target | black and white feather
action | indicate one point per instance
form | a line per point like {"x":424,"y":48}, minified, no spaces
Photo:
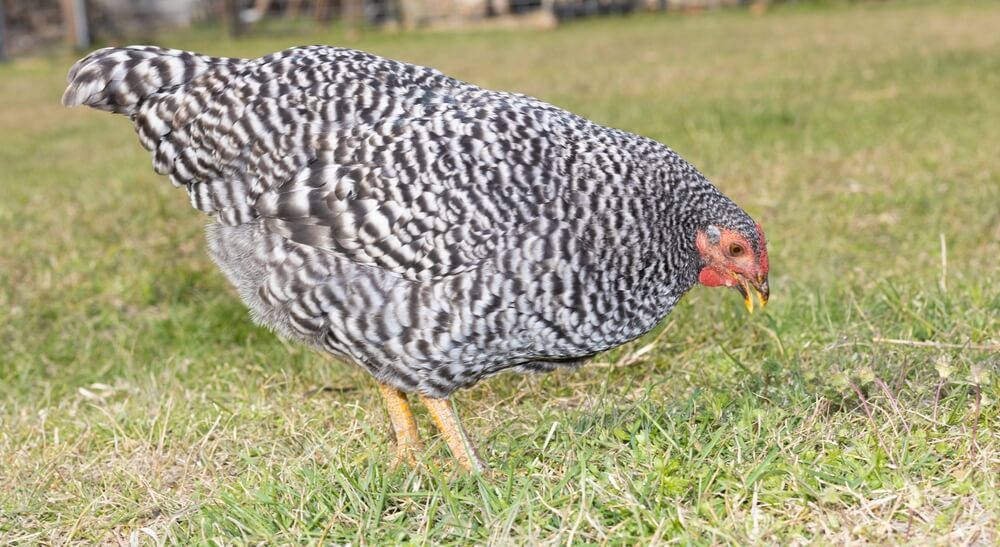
{"x":432,"y":231}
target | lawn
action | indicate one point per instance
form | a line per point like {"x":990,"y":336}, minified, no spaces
{"x":139,"y":403}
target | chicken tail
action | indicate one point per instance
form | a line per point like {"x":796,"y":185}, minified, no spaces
{"x":120,"y":79}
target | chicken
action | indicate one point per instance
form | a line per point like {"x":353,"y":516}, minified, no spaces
{"x":430,"y":231}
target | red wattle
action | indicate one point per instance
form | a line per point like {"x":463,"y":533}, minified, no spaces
{"x":710,"y":278}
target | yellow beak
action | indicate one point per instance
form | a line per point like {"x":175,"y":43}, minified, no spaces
{"x":758,"y":285}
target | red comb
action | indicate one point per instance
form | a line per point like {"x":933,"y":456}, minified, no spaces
{"x":763,"y":250}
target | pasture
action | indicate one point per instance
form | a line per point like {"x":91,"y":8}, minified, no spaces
{"x":138,"y":403}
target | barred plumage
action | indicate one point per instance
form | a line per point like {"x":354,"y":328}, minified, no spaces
{"x":431,"y":231}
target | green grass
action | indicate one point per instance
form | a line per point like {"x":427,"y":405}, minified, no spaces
{"x":138,"y":402}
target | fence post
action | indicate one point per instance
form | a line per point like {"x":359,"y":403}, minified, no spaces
{"x":231,"y":18}
{"x":3,"y":34}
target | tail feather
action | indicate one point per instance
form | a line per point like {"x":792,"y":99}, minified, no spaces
{"x":119,"y":79}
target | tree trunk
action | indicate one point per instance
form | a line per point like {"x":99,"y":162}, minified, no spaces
{"x":75,"y":23}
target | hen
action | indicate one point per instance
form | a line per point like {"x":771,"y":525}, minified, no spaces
{"x":433,"y":232}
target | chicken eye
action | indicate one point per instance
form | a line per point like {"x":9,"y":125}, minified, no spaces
{"x":735,"y":249}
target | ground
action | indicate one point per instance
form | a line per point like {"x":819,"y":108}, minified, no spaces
{"x":139,"y":403}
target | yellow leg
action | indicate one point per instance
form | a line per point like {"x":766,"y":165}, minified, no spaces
{"x":446,"y":420}
{"x":407,"y":438}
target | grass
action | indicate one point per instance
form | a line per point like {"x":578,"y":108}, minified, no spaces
{"x":138,"y":402}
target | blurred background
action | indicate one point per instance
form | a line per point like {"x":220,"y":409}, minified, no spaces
{"x":28,"y":26}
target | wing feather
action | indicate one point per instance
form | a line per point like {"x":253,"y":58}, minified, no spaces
{"x":383,"y":162}
{"x":421,"y":197}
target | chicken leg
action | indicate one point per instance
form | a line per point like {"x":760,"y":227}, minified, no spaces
{"x":407,"y":437}
{"x":447,"y":422}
